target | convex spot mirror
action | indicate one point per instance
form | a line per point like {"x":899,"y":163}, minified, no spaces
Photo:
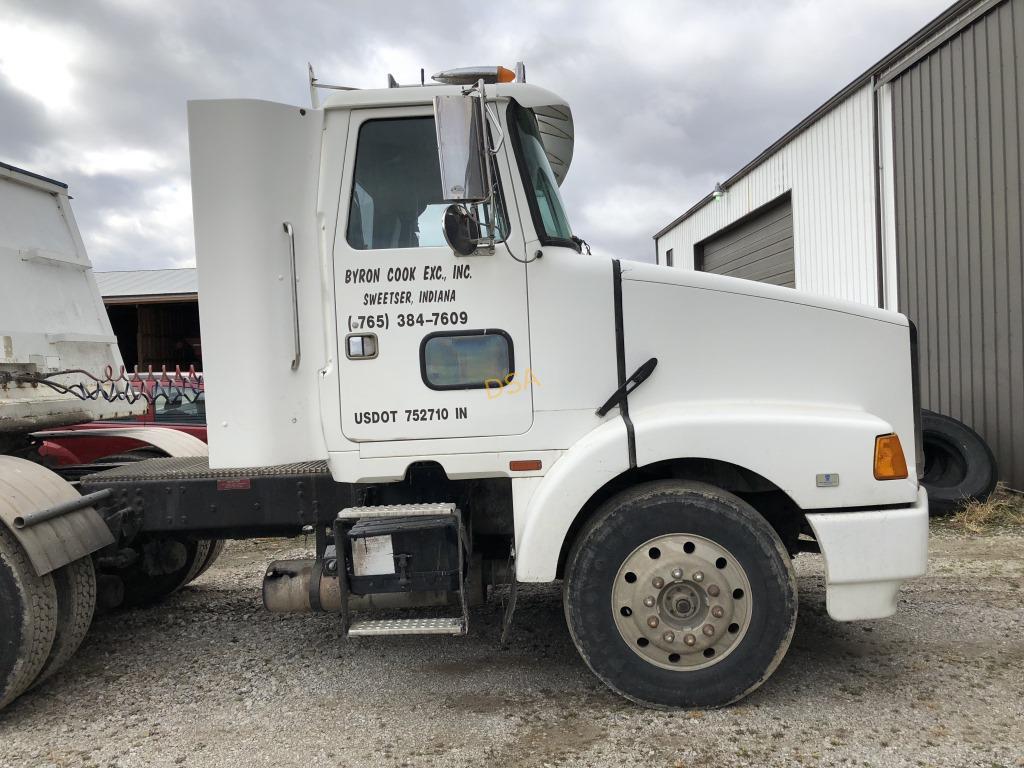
{"x":461,"y":231}
{"x":462,"y":148}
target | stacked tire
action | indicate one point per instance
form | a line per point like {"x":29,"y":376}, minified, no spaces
{"x":959,"y":467}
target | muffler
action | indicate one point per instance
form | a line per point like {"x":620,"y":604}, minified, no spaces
{"x":300,"y":586}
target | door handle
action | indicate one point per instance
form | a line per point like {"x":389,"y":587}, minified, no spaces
{"x":290,"y":231}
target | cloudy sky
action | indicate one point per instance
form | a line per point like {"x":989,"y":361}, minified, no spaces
{"x":668,"y":97}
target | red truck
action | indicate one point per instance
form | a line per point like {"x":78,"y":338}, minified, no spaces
{"x":176,"y":401}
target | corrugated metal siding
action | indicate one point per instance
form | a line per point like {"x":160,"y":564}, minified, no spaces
{"x":828,"y":170}
{"x":148,"y":282}
{"x":958,"y":133}
{"x":760,"y":248}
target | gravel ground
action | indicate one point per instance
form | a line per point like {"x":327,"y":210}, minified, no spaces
{"x":210,"y":679}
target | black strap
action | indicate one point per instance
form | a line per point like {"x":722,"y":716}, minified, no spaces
{"x":620,"y":360}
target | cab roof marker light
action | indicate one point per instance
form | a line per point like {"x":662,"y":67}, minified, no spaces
{"x":473,"y":75}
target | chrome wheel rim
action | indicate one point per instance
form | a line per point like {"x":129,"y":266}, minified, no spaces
{"x":681,"y":602}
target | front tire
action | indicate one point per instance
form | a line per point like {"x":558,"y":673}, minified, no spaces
{"x":679,"y":594}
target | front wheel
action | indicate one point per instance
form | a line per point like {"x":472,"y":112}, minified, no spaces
{"x":679,"y":594}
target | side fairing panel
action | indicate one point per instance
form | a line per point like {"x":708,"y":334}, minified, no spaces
{"x":255,"y":166}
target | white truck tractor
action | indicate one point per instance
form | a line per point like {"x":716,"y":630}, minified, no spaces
{"x":454,"y":393}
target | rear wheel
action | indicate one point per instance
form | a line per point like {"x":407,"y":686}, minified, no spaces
{"x":680,"y":595}
{"x":165,"y":565}
{"x":75,"y":586}
{"x":216,"y":547}
{"x":28,"y":619}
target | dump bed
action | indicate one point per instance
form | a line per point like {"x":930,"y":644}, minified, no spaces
{"x":52,"y":317}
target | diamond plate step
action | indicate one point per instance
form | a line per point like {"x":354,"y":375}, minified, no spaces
{"x":397,"y":510}
{"x":374,"y":627}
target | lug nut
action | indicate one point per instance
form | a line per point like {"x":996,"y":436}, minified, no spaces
{"x":669,"y":637}
{"x":649,"y":601}
{"x":717,"y":612}
{"x":713,"y":590}
{"x":652,"y":622}
{"x":677,"y":574}
{"x":709,"y":630}
{"x":657,"y":582}
{"x":698,"y":576}
{"x":690,"y":640}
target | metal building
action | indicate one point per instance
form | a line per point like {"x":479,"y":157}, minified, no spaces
{"x":155,"y":315}
{"x":903,"y":190}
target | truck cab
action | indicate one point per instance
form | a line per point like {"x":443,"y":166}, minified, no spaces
{"x":400,"y":264}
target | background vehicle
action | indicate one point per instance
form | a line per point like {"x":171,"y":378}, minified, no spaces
{"x":57,"y":552}
{"x":464,"y":397}
{"x":173,"y":401}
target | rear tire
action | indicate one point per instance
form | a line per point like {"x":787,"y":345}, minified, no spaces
{"x":708,"y":571}
{"x":75,"y":584}
{"x":216,"y":547}
{"x":28,"y":619}
{"x":145,"y":588}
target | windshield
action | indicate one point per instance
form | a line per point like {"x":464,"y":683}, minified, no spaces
{"x":545,"y":201}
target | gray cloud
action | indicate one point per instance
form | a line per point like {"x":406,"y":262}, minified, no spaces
{"x":668,"y":98}
{"x":24,"y":125}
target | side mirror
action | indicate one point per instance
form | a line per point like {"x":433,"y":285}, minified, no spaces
{"x":461,"y":231}
{"x":462,"y":148}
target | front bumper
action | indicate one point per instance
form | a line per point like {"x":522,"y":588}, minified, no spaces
{"x":868,"y":555}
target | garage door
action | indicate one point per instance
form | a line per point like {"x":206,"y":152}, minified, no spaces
{"x":757,"y":247}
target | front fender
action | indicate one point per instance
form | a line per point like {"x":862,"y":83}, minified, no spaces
{"x":545,"y":507}
{"x":789,"y":445}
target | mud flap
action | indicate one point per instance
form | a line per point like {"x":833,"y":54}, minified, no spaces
{"x":27,"y":488}
{"x":510,"y":606}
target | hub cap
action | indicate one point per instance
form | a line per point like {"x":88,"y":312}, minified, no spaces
{"x":681,"y":602}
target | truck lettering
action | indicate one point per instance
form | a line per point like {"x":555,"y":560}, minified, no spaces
{"x":426,"y":414}
{"x":401,"y":274}
{"x":387,"y":297}
{"x":375,"y":417}
{"x":362,"y":275}
{"x":432,"y":296}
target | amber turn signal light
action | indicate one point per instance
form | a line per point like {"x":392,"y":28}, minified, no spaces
{"x":506,"y":75}
{"x":890,"y":463}
{"x":525,"y":465}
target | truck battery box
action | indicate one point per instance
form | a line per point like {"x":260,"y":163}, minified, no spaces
{"x":409,"y":554}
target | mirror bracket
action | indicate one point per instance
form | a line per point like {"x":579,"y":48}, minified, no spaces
{"x":465,"y":149}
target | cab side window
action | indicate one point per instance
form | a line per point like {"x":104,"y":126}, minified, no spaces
{"x":396,"y":191}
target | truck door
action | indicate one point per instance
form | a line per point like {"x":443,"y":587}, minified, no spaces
{"x":433,"y":345}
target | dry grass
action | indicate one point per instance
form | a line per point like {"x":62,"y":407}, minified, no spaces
{"x":1004,"y":508}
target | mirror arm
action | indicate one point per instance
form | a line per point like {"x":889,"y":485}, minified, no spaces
{"x":491,"y":224}
{"x":496,"y":125}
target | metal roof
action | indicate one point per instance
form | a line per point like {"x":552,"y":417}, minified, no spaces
{"x":13,"y":169}
{"x":148,"y":282}
{"x":953,"y":17}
